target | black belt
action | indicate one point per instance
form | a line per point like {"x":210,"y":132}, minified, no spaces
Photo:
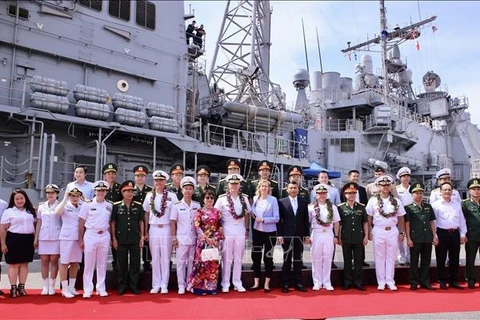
{"x":453,"y":230}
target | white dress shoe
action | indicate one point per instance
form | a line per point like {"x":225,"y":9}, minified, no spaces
{"x":103,"y":294}
{"x":392,"y":287}
{"x":181,"y":290}
{"x":164,"y":291}
{"x":87,"y":295}
{"x":329,"y":288}
{"x":316,"y":288}
{"x":240,"y":289}
{"x":154,"y":290}
{"x":381,"y":287}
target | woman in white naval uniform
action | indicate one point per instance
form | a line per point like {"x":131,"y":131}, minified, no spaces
{"x":95,"y":218}
{"x":157,"y":206}
{"x":384,"y":213}
{"x":183,"y":231}
{"x":324,"y":218}
{"x":46,"y":238}
{"x":70,"y":251}
{"x":235,"y":210}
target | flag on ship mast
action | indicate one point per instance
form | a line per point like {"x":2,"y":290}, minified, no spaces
{"x":417,"y":45}
{"x":434,"y":28}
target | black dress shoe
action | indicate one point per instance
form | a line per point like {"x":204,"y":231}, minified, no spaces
{"x":300,"y":287}
{"x":413,"y":287}
{"x":285,"y":289}
{"x":364,"y":264}
{"x":443,"y":286}
{"x":471,"y":285}
{"x":136,"y":291}
{"x":334,"y":266}
{"x":122,"y":291}
{"x":114,"y":266}
{"x":304,"y":267}
{"x":266,"y":290}
{"x":456,"y":285}
{"x":346,"y":286}
{"x":360,"y":287}
{"x":147,"y":267}
{"x":427,"y":286}
{"x":254,"y":288}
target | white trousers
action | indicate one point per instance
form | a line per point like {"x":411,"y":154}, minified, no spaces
{"x":385,"y":246}
{"x":232,"y":251}
{"x":160,"y":241}
{"x":96,"y":255}
{"x":184,"y":260}
{"x":322,"y":255}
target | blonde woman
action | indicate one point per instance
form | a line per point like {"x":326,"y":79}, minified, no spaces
{"x":265,"y":215}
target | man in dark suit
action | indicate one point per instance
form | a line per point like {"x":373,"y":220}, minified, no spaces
{"x":292,"y":230}
{"x":354,"y":176}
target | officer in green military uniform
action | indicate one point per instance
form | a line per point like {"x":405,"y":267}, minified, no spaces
{"x":203,"y":173}
{"x":421,"y":233}
{"x":113,"y":195}
{"x":233,"y":167}
{"x":295,"y":173}
{"x":264,"y":169}
{"x":353,"y":236}
{"x":110,"y":174}
{"x":141,"y":189}
{"x":471,"y":211}
{"x":176,"y":173}
{"x":127,"y":226}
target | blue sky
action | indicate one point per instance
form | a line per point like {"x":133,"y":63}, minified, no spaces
{"x":453,"y":51}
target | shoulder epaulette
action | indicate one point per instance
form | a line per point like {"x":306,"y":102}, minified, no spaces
{"x":465,"y":200}
{"x":193,"y":201}
{"x":284,"y":188}
{"x":362,"y":204}
{"x":117,"y":203}
{"x":138,"y":202}
{"x":273,"y":181}
{"x":437,"y":189}
{"x":178,"y":202}
{"x":40,"y":203}
{"x":342,"y":204}
{"x":212,"y":186}
{"x":222,"y":195}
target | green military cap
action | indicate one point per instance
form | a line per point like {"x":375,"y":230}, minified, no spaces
{"x":127,"y":185}
{"x":379,"y":169}
{"x":233,"y":163}
{"x":350,"y":187}
{"x":417,"y":186}
{"x":203,"y":169}
{"x":137,"y":170}
{"x":473,"y":183}
{"x":109,"y":167}
{"x":176,"y":168}
{"x":265,"y":164}
{"x":295,"y":170}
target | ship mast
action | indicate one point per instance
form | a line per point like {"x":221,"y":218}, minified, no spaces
{"x":383,"y":37}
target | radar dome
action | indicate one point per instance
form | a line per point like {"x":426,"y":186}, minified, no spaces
{"x":301,"y":79}
{"x":431,"y":81}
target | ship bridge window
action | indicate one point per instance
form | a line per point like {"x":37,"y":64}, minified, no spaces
{"x":146,"y":14}
{"x":22,"y":13}
{"x":92,"y":4}
{"x":119,"y":9}
{"x":347,"y":145}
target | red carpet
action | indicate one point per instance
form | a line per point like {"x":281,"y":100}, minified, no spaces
{"x":250,"y":305}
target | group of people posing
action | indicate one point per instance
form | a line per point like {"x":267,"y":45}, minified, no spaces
{"x":209,"y":226}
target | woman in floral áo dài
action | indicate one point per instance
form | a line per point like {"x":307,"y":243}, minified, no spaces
{"x":208,"y":226}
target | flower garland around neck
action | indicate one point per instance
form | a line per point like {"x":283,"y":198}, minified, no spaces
{"x":232,"y":207}
{"x":394,"y":203}
{"x":163,"y":204}
{"x":316,"y":206}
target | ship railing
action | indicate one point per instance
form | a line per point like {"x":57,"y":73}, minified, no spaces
{"x":15,"y":175}
{"x":243,"y":140}
{"x":338,"y":125}
{"x":404,"y":112}
{"x":13,"y":91}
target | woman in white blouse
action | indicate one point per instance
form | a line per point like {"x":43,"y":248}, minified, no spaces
{"x":266,"y":215}
{"x":17,"y":234}
{"x":70,"y":251}
{"x":46,"y":238}
{"x":324,"y":221}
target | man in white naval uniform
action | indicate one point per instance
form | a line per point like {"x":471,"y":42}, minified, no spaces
{"x":384,"y":213}
{"x":404,"y":175}
{"x":183,"y":231}
{"x":94,"y":238}
{"x":157,"y":206}
{"x":444,"y":175}
{"x":235,"y":209}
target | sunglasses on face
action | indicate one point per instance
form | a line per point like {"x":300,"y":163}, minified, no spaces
{"x":208,"y":198}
